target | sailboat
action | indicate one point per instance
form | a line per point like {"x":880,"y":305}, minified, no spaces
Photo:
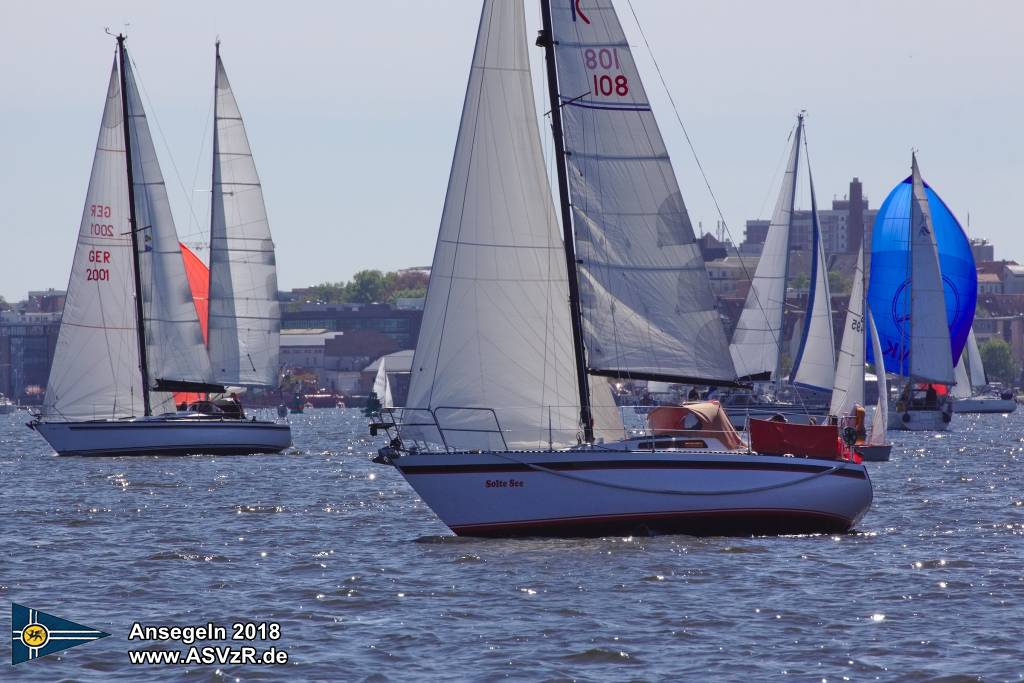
{"x":129,"y":335}
{"x":509,"y":427}
{"x":971,"y":382}
{"x":758,"y":340}
{"x":848,"y":389}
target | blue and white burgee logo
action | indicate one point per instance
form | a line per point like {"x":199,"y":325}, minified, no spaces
{"x":35,"y":634}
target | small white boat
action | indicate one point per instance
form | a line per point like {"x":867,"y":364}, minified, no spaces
{"x":971,"y":382}
{"x":510,"y":427}
{"x":130,"y":336}
{"x":7,"y":406}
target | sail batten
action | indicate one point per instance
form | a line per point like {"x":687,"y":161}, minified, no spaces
{"x":245,"y":316}
{"x":647,"y":306}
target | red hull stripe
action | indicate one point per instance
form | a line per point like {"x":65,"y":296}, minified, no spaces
{"x":745,"y":522}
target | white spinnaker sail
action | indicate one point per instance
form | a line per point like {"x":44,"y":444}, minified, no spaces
{"x":931,"y":359}
{"x":758,"y":334}
{"x":174,"y":340}
{"x":975,"y":367}
{"x":647,"y":303}
{"x":815,"y":364}
{"x":962,"y":388}
{"x":496,"y":331}
{"x":382,"y":387}
{"x":245,"y":316}
{"x":848,"y":389}
{"x":880,"y":421}
{"x":95,"y":372}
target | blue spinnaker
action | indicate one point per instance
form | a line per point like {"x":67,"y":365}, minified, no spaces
{"x":889,"y":287}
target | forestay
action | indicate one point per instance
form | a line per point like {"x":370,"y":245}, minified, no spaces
{"x":648,"y":310}
{"x":815,"y":364}
{"x":95,"y":372}
{"x":930,"y":357}
{"x":245,"y":316}
{"x":848,"y":389}
{"x":496,"y":332}
{"x":758,"y":334}
{"x":174,"y":340}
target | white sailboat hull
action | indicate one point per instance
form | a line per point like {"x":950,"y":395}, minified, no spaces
{"x":608,"y":491}
{"x":922,"y":421}
{"x":165,"y":436}
{"x":984,"y":405}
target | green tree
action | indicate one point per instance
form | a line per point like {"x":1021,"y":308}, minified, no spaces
{"x":999,"y":363}
{"x":838,"y":283}
{"x":367,"y":287}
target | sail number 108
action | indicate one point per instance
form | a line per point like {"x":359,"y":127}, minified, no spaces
{"x":605,"y":85}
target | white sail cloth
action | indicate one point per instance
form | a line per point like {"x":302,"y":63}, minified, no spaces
{"x":975,"y":366}
{"x":245,"y":316}
{"x":815,"y":364}
{"x":930,"y":357}
{"x":758,"y":334}
{"x":382,"y":387}
{"x":962,"y":388}
{"x":880,"y":422}
{"x":95,"y":372}
{"x":175,"y":349}
{"x":648,"y":309}
{"x":848,"y":389}
{"x":496,"y":331}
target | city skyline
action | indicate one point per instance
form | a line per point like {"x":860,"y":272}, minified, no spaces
{"x":354,"y":173}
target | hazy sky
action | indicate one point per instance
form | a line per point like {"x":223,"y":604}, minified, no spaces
{"x":352,"y":110}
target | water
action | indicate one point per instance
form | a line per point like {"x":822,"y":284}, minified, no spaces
{"x":368,"y":585}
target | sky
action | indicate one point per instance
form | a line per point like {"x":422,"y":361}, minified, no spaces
{"x":352,"y":109}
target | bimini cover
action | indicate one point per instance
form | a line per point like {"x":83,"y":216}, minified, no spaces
{"x":711,"y":421}
{"x":889,"y":289}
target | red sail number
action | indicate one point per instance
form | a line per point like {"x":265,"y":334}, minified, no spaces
{"x":605,"y":86}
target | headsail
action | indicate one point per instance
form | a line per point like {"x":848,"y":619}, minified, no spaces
{"x":930,"y":358}
{"x":95,"y":372}
{"x":815,"y":364}
{"x":382,"y":387}
{"x":975,"y":367}
{"x":174,"y":340}
{"x":758,"y":335}
{"x":962,"y":388}
{"x":848,"y":389}
{"x":880,"y":422}
{"x":648,"y":310}
{"x":245,"y":316}
{"x":496,"y":330}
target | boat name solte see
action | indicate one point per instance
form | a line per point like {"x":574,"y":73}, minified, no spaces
{"x":523,"y":325}
{"x":130,"y":339}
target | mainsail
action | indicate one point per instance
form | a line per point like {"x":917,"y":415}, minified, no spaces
{"x":95,"y":372}
{"x":174,"y":340}
{"x":496,"y":329}
{"x":245,"y":316}
{"x":975,"y":367}
{"x":880,"y":422}
{"x":758,"y":335}
{"x":930,"y":358}
{"x":382,"y":387}
{"x":815,"y":364}
{"x":848,"y":389}
{"x":647,"y":306}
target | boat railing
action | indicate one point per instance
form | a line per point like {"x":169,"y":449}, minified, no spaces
{"x":424,"y":428}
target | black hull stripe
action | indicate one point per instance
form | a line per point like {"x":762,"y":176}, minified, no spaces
{"x":195,"y":450}
{"x":855,"y":473}
{"x":748,"y":522}
{"x":116,"y":426}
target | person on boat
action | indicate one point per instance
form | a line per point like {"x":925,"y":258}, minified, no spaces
{"x":931,"y":397}
{"x":859,"y":423}
{"x":230,"y":406}
{"x":694,"y":395}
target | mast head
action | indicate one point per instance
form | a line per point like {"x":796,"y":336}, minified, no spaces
{"x":216,"y":46}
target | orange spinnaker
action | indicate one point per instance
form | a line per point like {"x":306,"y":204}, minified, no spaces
{"x":199,"y":282}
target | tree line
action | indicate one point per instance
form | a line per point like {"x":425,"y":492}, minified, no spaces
{"x":371,"y":286}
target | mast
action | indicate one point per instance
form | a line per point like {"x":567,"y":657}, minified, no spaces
{"x":545,"y":39}
{"x":140,"y":322}
{"x":789,"y":249}
{"x":213,"y":180}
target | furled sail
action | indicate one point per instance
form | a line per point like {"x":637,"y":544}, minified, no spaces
{"x":95,"y":372}
{"x":930,"y":358}
{"x":496,"y":331}
{"x":174,"y":340}
{"x":648,"y":310}
{"x":245,"y":316}
{"x":848,"y":389}
{"x":880,"y":421}
{"x":815,"y":364}
{"x":757,"y":338}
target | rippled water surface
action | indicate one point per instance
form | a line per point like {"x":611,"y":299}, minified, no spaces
{"x":368,"y":585}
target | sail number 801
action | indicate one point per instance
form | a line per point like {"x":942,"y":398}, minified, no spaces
{"x":605,"y":85}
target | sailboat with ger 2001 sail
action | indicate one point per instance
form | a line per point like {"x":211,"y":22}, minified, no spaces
{"x":130,"y":336}
{"x":509,"y":427}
